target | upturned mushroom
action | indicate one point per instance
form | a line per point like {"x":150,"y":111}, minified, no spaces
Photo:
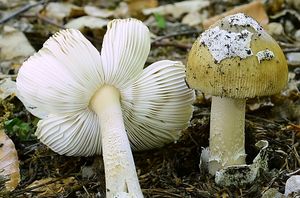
{"x":103,"y":104}
{"x":233,"y":60}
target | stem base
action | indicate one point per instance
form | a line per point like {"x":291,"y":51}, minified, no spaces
{"x":120,"y":173}
{"x":227,"y":138}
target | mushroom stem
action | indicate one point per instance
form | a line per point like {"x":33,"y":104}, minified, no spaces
{"x":227,"y":121}
{"x":120,"y":173}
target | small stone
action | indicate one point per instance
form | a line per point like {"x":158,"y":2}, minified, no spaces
{"x":297,"y":73}
{"x":297,"y":35}
{"x":272,"y":193}
{"x":275,"y":29}
{"x":293,"y":58}
{"x":288,"y":26}
{"x":292,"y":185}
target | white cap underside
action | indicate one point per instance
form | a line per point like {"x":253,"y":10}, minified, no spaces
{"x":74,"y":134}
{"x":62,"y":77}
{"x":157,"y":106}
{"x":125,"y":48}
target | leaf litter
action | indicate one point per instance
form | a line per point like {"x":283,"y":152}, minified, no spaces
{"x":172,"y":171}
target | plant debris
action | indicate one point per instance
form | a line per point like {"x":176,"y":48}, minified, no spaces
{"x":172,"y":171}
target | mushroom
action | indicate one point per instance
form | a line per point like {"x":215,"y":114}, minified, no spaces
{"x":233,"y":60}
{"x":106,"y":103}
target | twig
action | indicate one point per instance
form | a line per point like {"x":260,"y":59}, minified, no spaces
{"x":295,"y":49}
{"x":87,"y":192}
{"x":178,"y":45}
{"x":161,"y":191}
{"x":2,"y":76}
{"x":21,"y":10}
{"x":288,"y":45}
{"x":176,"y":34}
{"x":49,"y":21}
{"x":22,"y":191}
{"x":272,"y":182}
{"x":293,"y":173}
{"x":262,"y":119}
{"x":295,"y":126}
{"x":296,"y":154}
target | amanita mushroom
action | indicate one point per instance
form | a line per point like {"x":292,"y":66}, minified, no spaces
{"x":233,"y":60}
{"x":106,"y":103}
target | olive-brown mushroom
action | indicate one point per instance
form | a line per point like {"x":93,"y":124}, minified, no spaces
{"x":233,"y":60}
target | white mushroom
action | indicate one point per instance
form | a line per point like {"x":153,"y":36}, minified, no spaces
{"x":106,"y":103}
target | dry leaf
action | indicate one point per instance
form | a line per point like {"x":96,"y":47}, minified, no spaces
{"x":254,"y":9}
{"x":59,"y":11}
{"x":274,"y":6}
{"x":87,"y":22}
{"x":121,"y":11}
{"x":275,"y":29}
{"x":97,"y":12}
{"x":14,"y":44}
{"x":50,"y":187}
{"x":294,"y":3}
{"x":92,"y":26}
{"x":9,"y":163}
{"x":178,"y":9}
{"x":295,"y":128}
{"x":135,"y":7}
{"x":194,"y":18}
{"x":7,"y":88}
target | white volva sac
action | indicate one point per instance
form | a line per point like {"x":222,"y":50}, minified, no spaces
{"x":106,"y":104}
{"x":264,"y":55}
{"x":223,"y":44}
{"x":241,"y":19}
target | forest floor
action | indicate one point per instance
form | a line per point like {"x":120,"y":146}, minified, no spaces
{"x":171,"y":171}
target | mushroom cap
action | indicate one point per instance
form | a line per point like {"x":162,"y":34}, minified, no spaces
{"x":61,"y":78}
{"x":236,"y":58}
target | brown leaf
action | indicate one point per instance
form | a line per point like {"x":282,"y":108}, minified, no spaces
{"x":7,"y":88}
{"x":135,"y":7}
{"x":49,"y":187}
{"x":254,"y":9}
{"x":295,"y":128}
{"x":9,"y":163}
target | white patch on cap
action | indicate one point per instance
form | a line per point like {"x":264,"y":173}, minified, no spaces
{"x":223,"y":44}
{"x":264,"y":55}
{"x":243,"y":20}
